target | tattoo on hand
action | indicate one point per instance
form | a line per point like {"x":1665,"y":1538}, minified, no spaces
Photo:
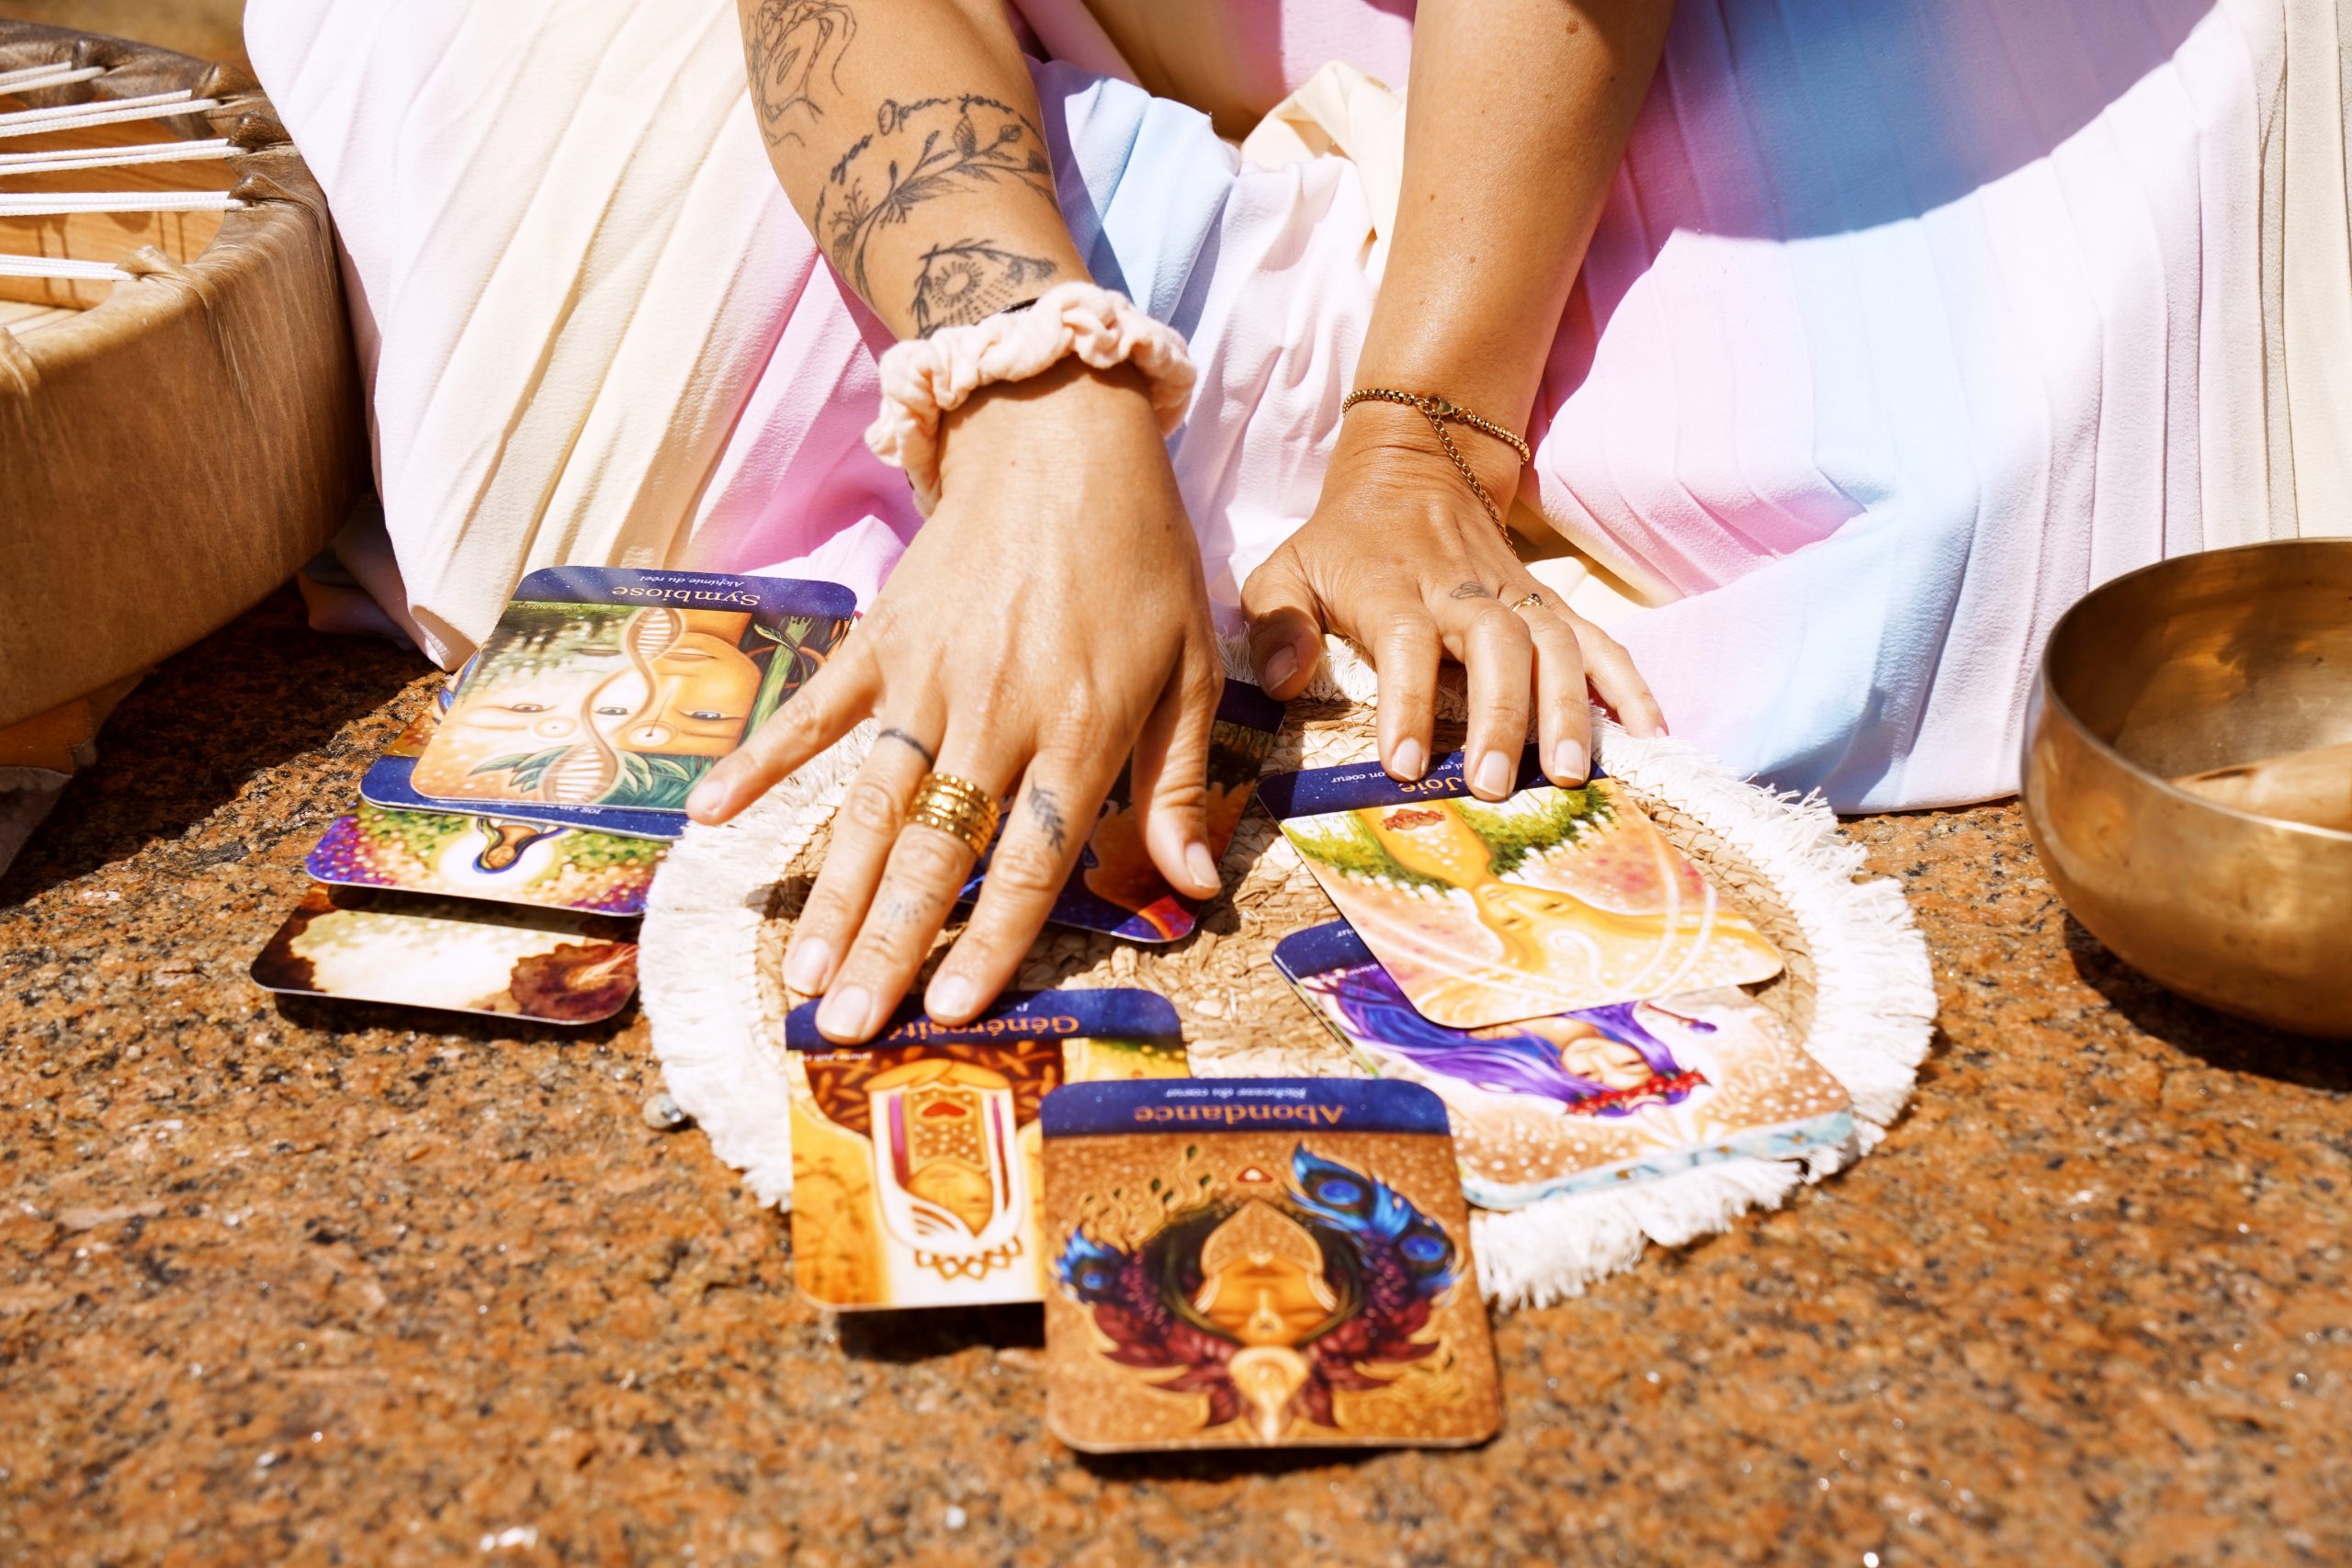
{"x":990,"y":143}
{"x":788,"y":43}
{"x":1473,"y":591}
{"x":892,"y":732}
{"x":969,"y":281}
{"x":1047,"y":812}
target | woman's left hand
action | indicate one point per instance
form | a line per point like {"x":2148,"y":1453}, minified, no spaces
{"x":1400,"y":559}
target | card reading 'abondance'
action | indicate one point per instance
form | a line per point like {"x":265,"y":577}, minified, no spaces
{"x":607,"y":688}
{"x":915,"y":1159}
{"x":509,"y":862}
{"x":1551,"y":901}
{"x":375,"y":945}
{"x":1260,"y":1263}
{"x":1115,"y":888}
{"x":1580,"y":1101}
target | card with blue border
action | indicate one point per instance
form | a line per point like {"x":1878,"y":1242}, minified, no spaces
{"x":609,"y":689}
{"x":1490,"y":911}
{"x":914,"y":1157}
{"x":1260,"y":1263}
{"x":1585,"y":1101}
{"x":1114,"y":887}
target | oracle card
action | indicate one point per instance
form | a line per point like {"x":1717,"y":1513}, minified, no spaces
{"x":376,"y":945}
{"x":389,"y":783}
{"x":487,"y":857}
{"x":1260,"y":1263}
{"x":1115,"y":888}
{"x":1579,"y":1101}
{"x":914,"y":1157}
{"x":1553,"y":900}
{"x":608,"y":688}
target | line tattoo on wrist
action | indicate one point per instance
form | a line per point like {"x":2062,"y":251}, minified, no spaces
{"x":988,"y":144}
{"x":787,"y":44}
{"x":970,"y":281}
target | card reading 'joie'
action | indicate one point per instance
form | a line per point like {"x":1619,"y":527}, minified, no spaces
{"x":914,"y":1158}
{"x":1579,"y":1101}
{"x":1115,"y":888}
{"x":1553,"y":900}
{"x":371,"y":944}
{"x":1259,"y":1263}
{"x":510,"y":862}
{"x":606,"y":688}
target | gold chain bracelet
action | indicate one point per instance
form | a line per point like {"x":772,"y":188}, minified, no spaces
{"x":1440,"y":413}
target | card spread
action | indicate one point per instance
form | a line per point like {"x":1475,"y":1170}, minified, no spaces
{"x":915,"y":1159}
{"x":371,"y":944}
{"x":464,"y":856}
{"x":1115,"y":888}
{"x":1260,"y":1262}
{"x":1551,"y":901}
{"x":1582,"y":1101}
{"x":608,"y":688}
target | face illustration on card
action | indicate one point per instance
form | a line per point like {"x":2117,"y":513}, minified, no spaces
{"x":1260,"y":1262}
{"x":915,"y":1159}
{"x":367,"y":944}
{"x":1553,"y":900}
{"x":1115,"y":888}
{"x":1574,"y":1102}
{"x":611,"y":688}
{"x":487,"y":857}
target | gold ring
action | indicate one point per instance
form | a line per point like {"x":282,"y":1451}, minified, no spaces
{"x":1530,"y":599}
{"x":957,"y":807}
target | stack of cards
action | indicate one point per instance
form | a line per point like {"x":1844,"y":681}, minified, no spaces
{"x":1552,"y":968}
{"x":503,"y":842}
{"x":1260,"y":1262}
{"x":914,"y":1157}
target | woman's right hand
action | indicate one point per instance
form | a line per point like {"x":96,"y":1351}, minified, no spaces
{"x":1049,"y":618}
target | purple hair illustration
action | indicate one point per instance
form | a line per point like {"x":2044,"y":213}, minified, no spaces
{"x":1519,"y":1061}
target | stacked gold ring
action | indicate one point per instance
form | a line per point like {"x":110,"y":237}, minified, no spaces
{"x":957,"y":807}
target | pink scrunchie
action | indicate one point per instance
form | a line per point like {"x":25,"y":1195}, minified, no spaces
{"x":925,"y":378}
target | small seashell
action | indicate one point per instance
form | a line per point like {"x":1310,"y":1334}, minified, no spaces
{"x":663,"y":1113}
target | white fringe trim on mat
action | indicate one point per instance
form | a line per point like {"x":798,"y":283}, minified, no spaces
{"x":1874,"y":1000}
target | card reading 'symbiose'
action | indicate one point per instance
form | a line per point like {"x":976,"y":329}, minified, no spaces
{"x":605,"y":694}
{"x":1551,"y":900}
{"x":1260,"y":1262}
{"x":1585,"y":1101}
{"x":914,"y":1156}
{"x":1115,"y":888}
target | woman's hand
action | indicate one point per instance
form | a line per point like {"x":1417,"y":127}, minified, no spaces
{"x":1048,"y":618}
{"x":1400,"y":557}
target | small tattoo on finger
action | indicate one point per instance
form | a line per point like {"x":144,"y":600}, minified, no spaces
{"x":892,"y":732}
{"x":1047,"y":812}
{"x":1473,"y":591}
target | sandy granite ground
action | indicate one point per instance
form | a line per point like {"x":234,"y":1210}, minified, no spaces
{"x":295,"y":1282}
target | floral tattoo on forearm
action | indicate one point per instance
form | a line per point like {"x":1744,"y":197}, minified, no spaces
{"x":987,"y":143}
{"x":788,"y":42}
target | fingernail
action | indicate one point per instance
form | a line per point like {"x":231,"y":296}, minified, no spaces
{"x":951,"y":996}
{"x":1202,"y":864}
{"x":847,"y":1014}
{"x":1570,"y":762}
{"x":809,"y":965}
{"x":1281,"y":667}
{"x":1494,"y":775}
{"x":706,"y":801}
{"x":1407,"y":760}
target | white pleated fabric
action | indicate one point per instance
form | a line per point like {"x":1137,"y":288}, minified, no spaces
{"x":1907,"y":321}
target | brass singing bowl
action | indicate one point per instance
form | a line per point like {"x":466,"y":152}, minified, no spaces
{"x":2202,"y":662}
